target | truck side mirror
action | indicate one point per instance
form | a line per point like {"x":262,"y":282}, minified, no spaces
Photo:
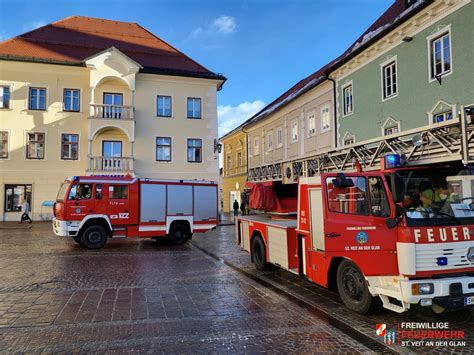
{"x":393,"y":222}
{"x":398,"y":187}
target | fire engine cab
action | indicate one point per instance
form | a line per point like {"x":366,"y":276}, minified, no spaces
{"x":90,"y":209}
{"x":377,"y":226}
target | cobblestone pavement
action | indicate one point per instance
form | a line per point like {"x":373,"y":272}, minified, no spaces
{"x":145,"y":296}
{"x":224,"y":247}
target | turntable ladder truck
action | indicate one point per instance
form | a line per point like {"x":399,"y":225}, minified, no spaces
{"x":371,"y":221}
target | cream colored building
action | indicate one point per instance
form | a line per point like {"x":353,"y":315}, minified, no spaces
{"x":115,"y":100}
{"x":299,"y":123}
{"x":235,"y":167}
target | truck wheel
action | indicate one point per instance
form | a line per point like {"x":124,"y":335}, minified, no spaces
{"x":77,"y":239}
{"x":353,"y":289}
{"x":94,"y":237}
{"x":259,"y":255}
{"x":179,"y":234}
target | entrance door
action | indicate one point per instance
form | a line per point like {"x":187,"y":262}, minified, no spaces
{"x":112,"y":154}
{"x":113,"y":105}
{"x":234,"y":195}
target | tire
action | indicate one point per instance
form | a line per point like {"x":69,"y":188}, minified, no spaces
{"x":94,"y":237}
{"x":259,"y":254}
{"x":352,"y":288}
{"x":77,"y":239}
{"x":179,"y":234}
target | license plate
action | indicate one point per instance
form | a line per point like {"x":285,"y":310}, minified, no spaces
{"x":469,"y":301}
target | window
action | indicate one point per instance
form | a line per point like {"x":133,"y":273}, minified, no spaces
{"x":270,"y":141}
{"x":118,"y":192}
{"x":389,"y":80}
{"x":15,"y":195}
{"x":3,"y":145}
{"x":349,"y":200}
{"x":440,"y":55}
{"x":325,"y":119}
{"x":441,"y":117}
{"x":311,"y":124}
{"x":194,"y":107}
{"x":69,"y":146}
{"x":294,"y":131}
{"x":378,"y":198}
{"x":163,"y":148}
{"x":35,"y":146}
{"x":37,"y":99}
{"x":239,"y":159}
{"x":71,"y":100}
{"x":98,"y":191}
{"x":390,"y":130}
{"x":4,"y":97}
{"x":349,"y":141}
{"x":279,"y":137}
{"x":80,"y":192}
{"x":229,"y":163}
{"x":163,"y":106}
{"x":348,"y":100}
{"x":194,"y":150}
{"x":256,"y":146}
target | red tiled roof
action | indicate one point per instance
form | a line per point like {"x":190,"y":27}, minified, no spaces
{"x":73,"y":39}
{"x":394,"y":15}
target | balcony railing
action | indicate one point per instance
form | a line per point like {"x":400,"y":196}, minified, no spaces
{"x":116,"y":112}
{"x":235,"y":170}
{"x":108,"y":164}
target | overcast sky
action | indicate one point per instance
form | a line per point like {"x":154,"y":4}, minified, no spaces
{"x":263,"y":47}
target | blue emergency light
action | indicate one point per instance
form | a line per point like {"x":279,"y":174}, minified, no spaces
{"x":391,"y":161}
{"x":442,"y":261}
{"x":75,"y":178}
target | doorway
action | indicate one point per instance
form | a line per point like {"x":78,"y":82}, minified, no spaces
{"x":113,"y":103}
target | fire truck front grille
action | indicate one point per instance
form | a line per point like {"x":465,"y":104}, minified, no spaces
{"x":446,"y":256}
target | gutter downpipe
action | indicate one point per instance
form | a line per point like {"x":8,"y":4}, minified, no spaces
{"x":247,"y":151}
{"x":334,"y":93}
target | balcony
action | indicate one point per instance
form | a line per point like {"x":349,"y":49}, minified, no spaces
{"x":236,"y":170}
{"x":112,"y":112}
{"x":106,"y":117}
{"x":103,"y":164}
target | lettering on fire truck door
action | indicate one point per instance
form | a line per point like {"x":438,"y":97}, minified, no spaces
{"x":317,"y":218}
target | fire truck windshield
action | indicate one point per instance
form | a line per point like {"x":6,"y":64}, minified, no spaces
{"x":62,"y":192}
{"x":438,"y":196}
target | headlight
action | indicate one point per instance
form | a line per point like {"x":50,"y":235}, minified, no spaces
{"x":470,"y":255}
{"x":422,"y":289}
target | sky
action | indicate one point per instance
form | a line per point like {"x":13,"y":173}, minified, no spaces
{"x":263,"y":47}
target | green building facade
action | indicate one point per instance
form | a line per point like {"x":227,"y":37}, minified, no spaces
{"x":420,"y":73}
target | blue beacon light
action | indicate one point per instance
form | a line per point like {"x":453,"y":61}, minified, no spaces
{"x":392,"y":161}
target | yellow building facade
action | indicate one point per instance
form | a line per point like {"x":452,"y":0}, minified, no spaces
{"x":107,"y":116}
{"x":235,"y":167}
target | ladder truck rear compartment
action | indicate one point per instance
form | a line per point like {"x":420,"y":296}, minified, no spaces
{"x":91,"y":209}
{"x":388,"y":221}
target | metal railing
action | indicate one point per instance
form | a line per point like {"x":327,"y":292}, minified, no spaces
{"x":120,"y":164}
{"x":117,"y":112}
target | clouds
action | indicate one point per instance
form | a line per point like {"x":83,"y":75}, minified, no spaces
{"x":225,"y":24}
{"x":231,"y":116}
{"x":222,"y":25}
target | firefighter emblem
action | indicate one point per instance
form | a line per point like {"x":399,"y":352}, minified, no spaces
{"x":362,"y":238}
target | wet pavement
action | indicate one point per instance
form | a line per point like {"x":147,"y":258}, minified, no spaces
{"x":328,"y":304}
{"x":145,"y":296}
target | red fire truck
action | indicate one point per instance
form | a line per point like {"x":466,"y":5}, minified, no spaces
{"x":90,"y":209}
{"x":374,"y":224}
